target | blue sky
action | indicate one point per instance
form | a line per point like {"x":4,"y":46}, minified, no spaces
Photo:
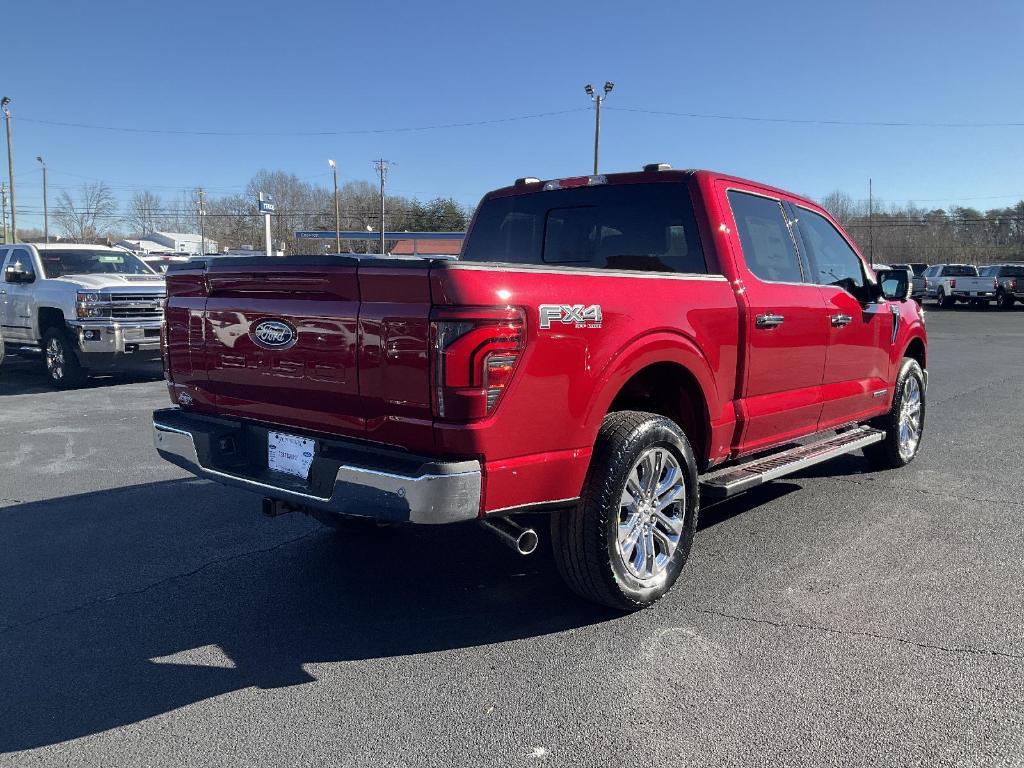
{"x":340,"y":66}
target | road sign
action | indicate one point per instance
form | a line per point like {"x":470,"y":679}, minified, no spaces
{"x":266,"y":203}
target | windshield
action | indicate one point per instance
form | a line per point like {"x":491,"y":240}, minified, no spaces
{"x":87,"y":262}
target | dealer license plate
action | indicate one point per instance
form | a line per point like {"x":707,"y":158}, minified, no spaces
{"x":289,"y":454}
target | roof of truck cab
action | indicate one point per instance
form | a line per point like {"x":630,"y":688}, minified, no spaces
{"x":642,"y":177}
{"x":73,"y":247}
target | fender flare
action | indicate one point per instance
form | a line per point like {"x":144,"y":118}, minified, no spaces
{"x":641,"y":352}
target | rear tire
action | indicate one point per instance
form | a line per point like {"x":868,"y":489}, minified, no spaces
{"x":904,"y":424}
{"x":62,"y":366}
{"x":945,"y":302}
{"x":626,"y":541}
{"x":1005,"y":301}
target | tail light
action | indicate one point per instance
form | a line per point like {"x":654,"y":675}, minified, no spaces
{"x":474,"y":355}
{"x":995,"y":284}
{"x":1013,"y":284}
{"x":926,"y":283}
{"x":952,"y":283}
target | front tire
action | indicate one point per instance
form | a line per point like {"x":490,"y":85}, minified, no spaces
{"x":626,"y":541}
{"x":904,"y":424}
{"x":62,"y":366}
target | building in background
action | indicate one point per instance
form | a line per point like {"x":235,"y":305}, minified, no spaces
{"x":169,"y":242}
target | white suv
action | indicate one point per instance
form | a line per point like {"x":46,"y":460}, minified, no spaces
{"x":88,"y":307}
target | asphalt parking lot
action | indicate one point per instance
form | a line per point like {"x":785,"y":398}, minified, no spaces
{"x":840,"y":617}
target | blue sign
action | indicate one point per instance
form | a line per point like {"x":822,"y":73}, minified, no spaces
{"x":266,"y":203}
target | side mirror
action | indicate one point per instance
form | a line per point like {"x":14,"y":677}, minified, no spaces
{"x":16,"y":273}
{"x":895,"y":284}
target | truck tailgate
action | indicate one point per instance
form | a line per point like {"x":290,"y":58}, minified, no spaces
{"x":306,"y":342}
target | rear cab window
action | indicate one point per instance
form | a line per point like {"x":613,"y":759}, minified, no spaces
{"x":640,"y":227}
{"x":959,"y":270}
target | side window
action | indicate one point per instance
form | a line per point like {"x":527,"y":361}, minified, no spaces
{"x":833,"y":261}
{"x":768,"y":246}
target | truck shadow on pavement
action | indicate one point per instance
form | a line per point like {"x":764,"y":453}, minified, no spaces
{"x":24,"y":375}
{"x":125,"y":604}
{"x":122,"y":605}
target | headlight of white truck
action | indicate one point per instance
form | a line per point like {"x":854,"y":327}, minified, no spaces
{"x":90,"y":305}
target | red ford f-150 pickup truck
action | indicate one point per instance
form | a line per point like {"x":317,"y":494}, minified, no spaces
{"x":610,"y":349}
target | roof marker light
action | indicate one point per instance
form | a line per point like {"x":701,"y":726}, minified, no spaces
{"x":657,"y":167}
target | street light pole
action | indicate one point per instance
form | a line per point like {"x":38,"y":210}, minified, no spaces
{"x":5,"y":104}
{"x":3,"y":211}
{"x":598,"y":99}
{"x":337,"y":208}
{"x":46,"y":211}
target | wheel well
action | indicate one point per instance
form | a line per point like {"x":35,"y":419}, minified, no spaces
{"x":50,"y":318}
{"x":669,"y":390}
{"x":916,"y":351}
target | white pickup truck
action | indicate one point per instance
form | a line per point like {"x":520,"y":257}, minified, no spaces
{"x":950,"y":283}
{"x":88,"y":308}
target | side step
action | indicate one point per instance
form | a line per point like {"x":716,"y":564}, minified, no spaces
{"x":733,"y":480}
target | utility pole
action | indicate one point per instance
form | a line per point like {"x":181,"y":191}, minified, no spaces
{"x":382,"y":167}
{"x":3,"y":196}
{"x":201,"y":209}
{"x":5,"y":104}
{"x":598,"y":99}
{"x":337,"y":209}
{"x":871,"y":222}
{"x":46,"y":211}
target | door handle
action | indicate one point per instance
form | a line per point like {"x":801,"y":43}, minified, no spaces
{"x":838,"y":321}
{"x":769,"y":321}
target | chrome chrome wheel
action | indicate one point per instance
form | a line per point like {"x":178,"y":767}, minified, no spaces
{"x":910,"y":418}
{"x":55,"y":359}
{"x":651,"y":514}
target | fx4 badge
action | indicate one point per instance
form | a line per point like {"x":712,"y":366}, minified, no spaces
{"x":579,"y":315}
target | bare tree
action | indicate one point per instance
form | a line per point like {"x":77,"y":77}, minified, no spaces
{"x":144,"y":212}
{"x":83,"y":218}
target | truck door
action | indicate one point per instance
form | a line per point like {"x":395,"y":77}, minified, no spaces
{"x":855,"y":384}
{"x":16,"y":298}
{"x":785,"y":326}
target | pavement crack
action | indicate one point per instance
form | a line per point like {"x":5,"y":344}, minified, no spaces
{"x":973,"y":390}
{"x":926,"y":492}
{"x":861,"y":633}
{"x":160,"y":582}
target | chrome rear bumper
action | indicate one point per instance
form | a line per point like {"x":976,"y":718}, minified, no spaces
{"x":432,"y":493}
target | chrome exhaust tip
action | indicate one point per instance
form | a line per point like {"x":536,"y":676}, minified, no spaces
{"x":522,"y":540}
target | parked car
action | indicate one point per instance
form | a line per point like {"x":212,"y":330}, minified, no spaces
{"x":1008,"y":280}
{"x":952,"y":283}
{"x":160,"y":262}
{"x":608,"y":349}
{"x":917,"y":270}
{"x":89,"y":308}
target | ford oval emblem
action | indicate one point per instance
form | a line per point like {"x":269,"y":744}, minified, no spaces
{"x":274,"y":334}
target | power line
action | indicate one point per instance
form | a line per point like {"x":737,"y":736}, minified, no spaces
{"x":350,"y":132}
{"x":820,"y":121}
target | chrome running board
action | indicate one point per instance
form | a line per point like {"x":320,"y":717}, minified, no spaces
{"x":742,"y":477}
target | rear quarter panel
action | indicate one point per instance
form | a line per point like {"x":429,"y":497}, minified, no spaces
{"x":538,"y":442}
